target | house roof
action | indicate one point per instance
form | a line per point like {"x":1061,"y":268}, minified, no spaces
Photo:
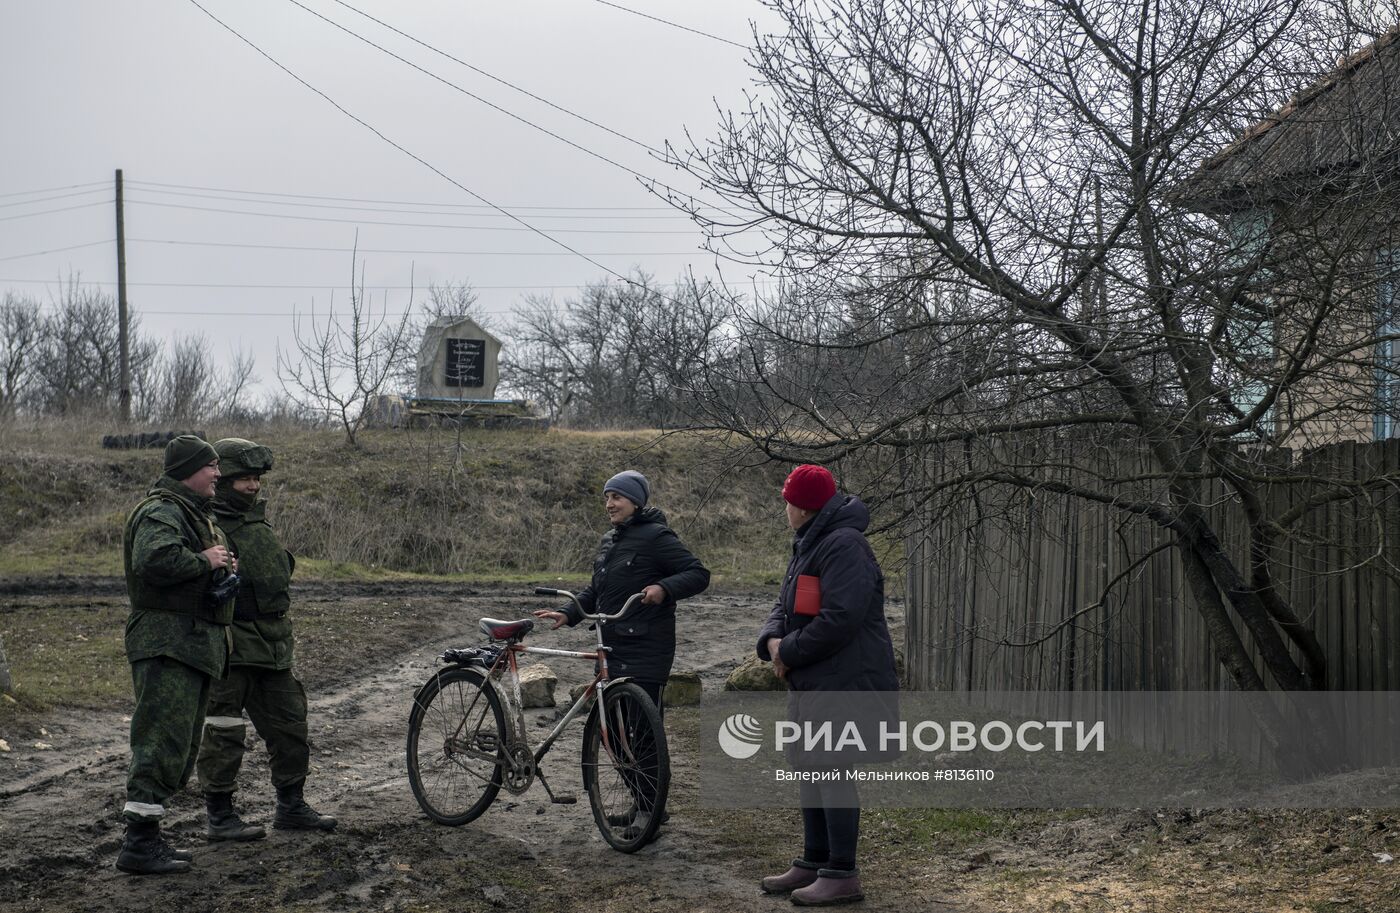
{"x":1348,"y":120}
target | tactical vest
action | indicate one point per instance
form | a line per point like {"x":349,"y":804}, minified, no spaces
{"x":185,"y":597}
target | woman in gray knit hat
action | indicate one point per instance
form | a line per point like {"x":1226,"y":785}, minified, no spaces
{"x":640,"y":554}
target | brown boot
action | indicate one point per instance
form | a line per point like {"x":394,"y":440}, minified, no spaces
{"x":800,"y":875}
{"x":830,"y":888}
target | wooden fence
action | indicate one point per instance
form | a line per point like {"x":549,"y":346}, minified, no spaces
{"x":1009,"y":588}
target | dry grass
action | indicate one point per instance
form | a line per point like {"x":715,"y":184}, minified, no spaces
{"x":492,"y":503}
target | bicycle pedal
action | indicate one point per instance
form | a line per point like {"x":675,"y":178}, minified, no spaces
{"x":564,"y":800}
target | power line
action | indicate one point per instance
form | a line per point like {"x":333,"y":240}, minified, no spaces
{"x":408,"y":212}
{"x":49,"y":212}
{"x":402,"y":149}
{"x":677,"y":25}
{"x":308,"y":196}
{"x":527,"y":227}
{"x":61,"y":196}
{"x":508,"y":84}
{"x":492,"y":105}
{"x":396,"y":250}
{"x":57,"y":250}
{"x":653,"y":286}
{"x":22,"y":193}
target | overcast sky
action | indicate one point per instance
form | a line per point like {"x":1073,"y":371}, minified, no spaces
{"x":244,"y":189}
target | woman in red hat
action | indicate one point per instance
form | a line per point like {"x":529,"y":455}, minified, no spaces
{"x":828,"y":633}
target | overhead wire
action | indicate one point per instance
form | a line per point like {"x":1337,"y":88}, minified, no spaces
{"x":21,"y":193}
{"x":433,"y":168}
{"x":61,"y":196}
{"x":49,"y":212}
{"x":646,"y":179}
{"x":677,"y":25}
{"x":492,"y":105}
{"x":309,"y":196}
{"x":419,"y":212}
{"x":526,"y":226}
{"x":57,"y":250}
{"x":504,"y":82}
{"x":398,"y":250}
{"x":649,"y":286}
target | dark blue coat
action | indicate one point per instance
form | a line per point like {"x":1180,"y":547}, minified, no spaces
{"x":846,"y":646}
{"x":640,"y":552}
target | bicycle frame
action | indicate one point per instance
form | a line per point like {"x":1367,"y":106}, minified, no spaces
{"x":594,"y":690}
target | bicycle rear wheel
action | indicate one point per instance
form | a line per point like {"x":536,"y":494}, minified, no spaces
{"x":626,"y":767}
{"x":456,"y":746}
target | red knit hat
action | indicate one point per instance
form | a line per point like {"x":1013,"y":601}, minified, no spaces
{"x":809,"y":487}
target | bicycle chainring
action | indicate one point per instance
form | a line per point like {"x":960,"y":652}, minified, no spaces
{"x":517,"y":781}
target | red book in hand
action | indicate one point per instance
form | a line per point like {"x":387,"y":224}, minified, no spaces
{"x":808,"y":600}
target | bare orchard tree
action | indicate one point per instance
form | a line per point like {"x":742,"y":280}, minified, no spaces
{"x":342,"y":362}
{"x":1002,"y":219}
{"x":620,"y":355}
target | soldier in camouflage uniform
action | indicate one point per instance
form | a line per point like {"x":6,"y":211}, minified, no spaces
{"x":177,"y":641}
{"x":260,"y":678}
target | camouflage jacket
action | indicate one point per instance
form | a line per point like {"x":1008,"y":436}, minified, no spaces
{"x":262,"y":632}
{"x":167,"y":580}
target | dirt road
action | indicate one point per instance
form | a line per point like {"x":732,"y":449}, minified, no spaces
{"x":60,"y":828}
{"x":364,"y":648}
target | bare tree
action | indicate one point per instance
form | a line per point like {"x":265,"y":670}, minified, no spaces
{"x":620,"y":355}
{"x":192,"y":387}
{"x":187,"y":380}
{"x":341,"y":364}
{"x":21,"y":334}
{"x":77,"y":363}
{"x":1001,"y":219}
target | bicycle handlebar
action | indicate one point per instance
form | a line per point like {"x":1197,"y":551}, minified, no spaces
{"x":598,"y":616}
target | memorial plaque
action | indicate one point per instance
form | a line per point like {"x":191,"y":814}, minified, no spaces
{"x":466,"y":363}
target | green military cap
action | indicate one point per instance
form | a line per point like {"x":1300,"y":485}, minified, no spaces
{"x":238,"y":457}
{"x":187,"y":454}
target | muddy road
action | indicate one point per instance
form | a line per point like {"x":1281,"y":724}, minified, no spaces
{"x":61,"y":827}
{"x":364,"y":648}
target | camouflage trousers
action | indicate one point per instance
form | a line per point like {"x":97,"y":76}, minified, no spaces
{"x":276,"y":703}
{"x":165,"y":732}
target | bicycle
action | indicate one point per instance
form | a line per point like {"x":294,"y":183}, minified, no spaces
{"x":467,"y":738}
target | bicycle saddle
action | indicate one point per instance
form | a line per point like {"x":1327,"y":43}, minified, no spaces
{"x":506,"y":630}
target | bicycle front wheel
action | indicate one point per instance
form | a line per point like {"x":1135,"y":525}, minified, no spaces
{"x":626,"y":767}
{"x":456,"y":746}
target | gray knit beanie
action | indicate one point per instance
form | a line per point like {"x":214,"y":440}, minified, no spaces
{"x":632,"y":485}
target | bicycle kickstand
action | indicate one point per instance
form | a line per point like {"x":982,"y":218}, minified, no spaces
{"x":562,"y":798}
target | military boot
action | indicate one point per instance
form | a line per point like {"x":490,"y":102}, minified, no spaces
{"x":224,"y":822}
{"x":294,"y":814}
{"x":144,"y":853}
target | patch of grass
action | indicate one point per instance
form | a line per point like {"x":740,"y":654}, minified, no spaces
{"x":66,"y":656}
{"x":479,"y":505}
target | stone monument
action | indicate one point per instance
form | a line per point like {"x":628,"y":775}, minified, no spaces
{"x":457,"y":361}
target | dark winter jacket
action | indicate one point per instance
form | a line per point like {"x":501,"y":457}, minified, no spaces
{"x":641,"y":551}
{"x":846,"y":645}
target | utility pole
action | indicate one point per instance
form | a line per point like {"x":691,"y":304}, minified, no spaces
{"x":123,"y":318}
